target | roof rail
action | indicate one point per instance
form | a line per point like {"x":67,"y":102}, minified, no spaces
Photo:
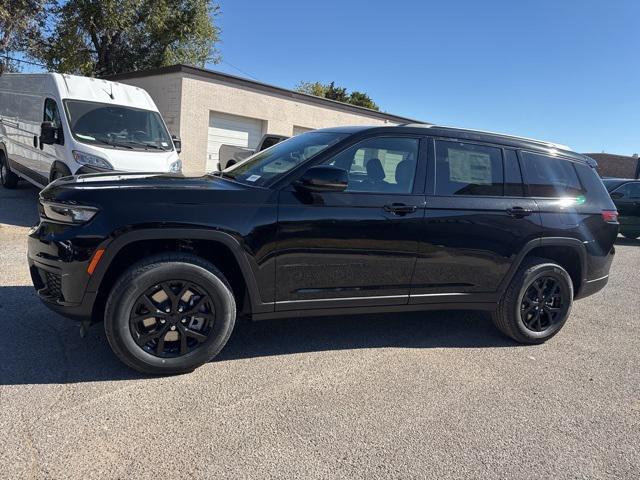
{"x":516,"y":137}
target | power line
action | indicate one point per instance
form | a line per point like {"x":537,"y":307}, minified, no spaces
{"x":23,"y":61}
{"x":240,"y":70}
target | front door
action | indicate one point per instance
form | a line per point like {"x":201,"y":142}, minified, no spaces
{"x":357,"y":247}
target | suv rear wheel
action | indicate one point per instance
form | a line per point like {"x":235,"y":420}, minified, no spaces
{"x":7,"y":177}
{"x":537,"y":303}
{"x":169,"y":314}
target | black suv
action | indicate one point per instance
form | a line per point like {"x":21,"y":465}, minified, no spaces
{"x":626,"y":197}
{"x":335,"y":221}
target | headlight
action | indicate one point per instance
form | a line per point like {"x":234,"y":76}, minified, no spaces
{"x":176,"y":167}
{"x":60,"y":212}
{"x":91,"y":160}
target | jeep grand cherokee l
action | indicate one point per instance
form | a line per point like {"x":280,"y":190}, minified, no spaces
{"x":335,"y":221}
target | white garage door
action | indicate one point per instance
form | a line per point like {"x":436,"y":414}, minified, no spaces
{"x":225,"y":129}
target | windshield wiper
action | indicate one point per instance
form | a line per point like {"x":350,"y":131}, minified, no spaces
{"x":113,"y":144}
{"x":146,"y":145}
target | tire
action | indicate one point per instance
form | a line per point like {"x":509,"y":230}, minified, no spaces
{"x":161,"y":273}
{"x":7,"y":177}
{"x":516,"y":314}
{"x":59,"y":170}
{"x":631,"y":236}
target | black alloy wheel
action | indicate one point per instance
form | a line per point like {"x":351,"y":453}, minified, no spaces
{"x":542,"y":304}
{"x":172,"y":319}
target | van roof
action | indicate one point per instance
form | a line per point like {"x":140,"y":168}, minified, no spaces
{"x":79,"y":88}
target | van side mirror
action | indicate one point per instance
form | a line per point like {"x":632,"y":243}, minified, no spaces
{"x":48,"y":133}
{"x":323,"y":178}
{"x":177,"y":143}
{"x":617,"y":195}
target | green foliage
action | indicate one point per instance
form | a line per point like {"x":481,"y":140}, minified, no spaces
{"x":21,"y":22}
{"x":105,"y":37}
{"x":332,"y":92}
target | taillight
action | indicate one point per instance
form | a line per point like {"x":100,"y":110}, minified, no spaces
{"x":610,"y":216}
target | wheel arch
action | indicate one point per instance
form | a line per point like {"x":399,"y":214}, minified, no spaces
{"x":222,"y":249}
{"x":568,"y":252}
{"x":54,"y":164}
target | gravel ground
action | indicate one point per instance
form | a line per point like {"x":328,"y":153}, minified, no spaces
{"x":437,"y":395}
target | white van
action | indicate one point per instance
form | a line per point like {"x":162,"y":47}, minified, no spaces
{"x":54,"y":125}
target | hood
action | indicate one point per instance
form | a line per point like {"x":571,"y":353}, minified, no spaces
{"x":155,"y":186}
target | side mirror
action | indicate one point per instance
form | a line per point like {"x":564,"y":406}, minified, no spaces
{"x":48,"y":133}
{"x":617,"y":195}
{"x":323,"y":178}
{"x":177,"y":143}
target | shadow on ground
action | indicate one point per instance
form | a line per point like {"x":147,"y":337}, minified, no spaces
{"x":19,"y":206}
{"x":627,"y":241}
{"x":40,"y":347}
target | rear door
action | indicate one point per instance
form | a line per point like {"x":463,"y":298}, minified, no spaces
{"x":357,"y":247}
{"x":477,"y":219}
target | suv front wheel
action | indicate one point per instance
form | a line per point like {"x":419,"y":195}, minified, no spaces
{"x":537,"y":303}
{"x":169,"y":314}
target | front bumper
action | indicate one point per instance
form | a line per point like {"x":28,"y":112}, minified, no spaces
{"x":58,"y":266}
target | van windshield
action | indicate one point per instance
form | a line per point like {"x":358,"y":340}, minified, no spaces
{"x":116,"y":126}
{"x":275,"y":161}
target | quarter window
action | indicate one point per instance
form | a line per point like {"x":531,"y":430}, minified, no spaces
{"x":550,"y":176}
{"x":468,"y":169}
{"x":380,"y":165}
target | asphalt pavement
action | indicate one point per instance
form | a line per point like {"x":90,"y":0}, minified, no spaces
{"x":420,"y":395}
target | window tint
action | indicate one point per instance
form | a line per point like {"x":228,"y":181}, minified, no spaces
{"x":550,"y":176}
{"x":467,"y":169}
{"x":512,"y":177}
{"x":629,"y":190}
{"x":51,"y":113}
{"x":380,"y":165}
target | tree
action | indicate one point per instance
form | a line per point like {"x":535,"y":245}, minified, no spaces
{"x":103,"y":37}
{"x":332,"y":92}
{"x":21,"y":22}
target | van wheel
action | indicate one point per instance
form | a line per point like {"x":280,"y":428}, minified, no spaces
{"x":169,"y":314}
{"x":537,"y":303}
{"x":7,"y":177}
{"x":59,"y":170}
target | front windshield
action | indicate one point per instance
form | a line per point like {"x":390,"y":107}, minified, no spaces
{"x":273,"y":162}
{"x":117,"y":126}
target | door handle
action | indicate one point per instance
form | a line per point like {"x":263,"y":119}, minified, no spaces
{"x":519,"y":212}
{"x":35,"y":141}
{"x":399,"y":208}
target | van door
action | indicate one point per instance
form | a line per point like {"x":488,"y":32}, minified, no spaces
{"x":477,"y":219}
{"x":50,"y":153}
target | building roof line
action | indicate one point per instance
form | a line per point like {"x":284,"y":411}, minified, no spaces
{"x":248,"y":83}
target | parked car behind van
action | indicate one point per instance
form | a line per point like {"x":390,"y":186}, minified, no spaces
{"x":54,"y":125}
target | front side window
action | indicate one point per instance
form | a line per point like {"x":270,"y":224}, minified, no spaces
{"x":629,"y":190}
{"x":550,"y":177}
{"x":380,"y":165}
{"x":51,"y":113}
{"x":468,"y":169}
{"x":117,"y":126}
{"x":269,"y":164}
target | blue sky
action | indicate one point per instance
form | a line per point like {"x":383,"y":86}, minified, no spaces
{"x":567,"y":71}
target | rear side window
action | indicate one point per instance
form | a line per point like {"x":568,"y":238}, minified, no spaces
{"x":468,"y":169}
{"x":550,"y":176}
